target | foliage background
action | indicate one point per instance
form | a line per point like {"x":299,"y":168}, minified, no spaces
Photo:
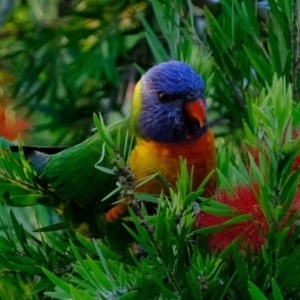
{"x":63,"y":60}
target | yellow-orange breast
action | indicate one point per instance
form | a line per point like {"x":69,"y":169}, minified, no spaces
{"x":149,"y":157}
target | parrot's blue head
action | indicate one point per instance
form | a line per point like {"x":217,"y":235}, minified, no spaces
{"x":169,"y":104}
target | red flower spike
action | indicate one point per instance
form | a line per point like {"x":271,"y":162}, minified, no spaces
{"x":249,"y":233}
{"x":10,"y":126}
{"x":255,"y":154}
{"x":296,"y":163}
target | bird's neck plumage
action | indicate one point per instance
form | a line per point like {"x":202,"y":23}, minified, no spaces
{"x":136,"y":109}
{"x":149,"y":157}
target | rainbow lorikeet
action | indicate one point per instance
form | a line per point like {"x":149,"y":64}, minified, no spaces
{"x":168,"y":120}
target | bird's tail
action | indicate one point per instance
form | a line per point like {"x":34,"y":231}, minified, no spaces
{"x":117,"y":211}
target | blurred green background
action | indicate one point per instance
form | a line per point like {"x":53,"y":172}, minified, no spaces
{"x":63,"y":60}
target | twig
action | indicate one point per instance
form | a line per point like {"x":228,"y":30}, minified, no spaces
{"x":236,"y":92}
{"x":127,"y":180}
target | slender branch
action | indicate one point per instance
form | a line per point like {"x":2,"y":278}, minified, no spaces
{"x":127,"y":180}
{"x":236,"y":92}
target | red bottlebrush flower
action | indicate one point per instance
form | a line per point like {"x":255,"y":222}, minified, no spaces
{"x":249,"y":233}
{"x":10,"y":126}
{"x":296,"y":132}
{"x":296,"y":163}
{"x":255,"y":154}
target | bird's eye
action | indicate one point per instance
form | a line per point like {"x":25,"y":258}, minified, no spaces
{"x":195,"y":95}
{"x":164,"y":97}
{"x":191,"y":96}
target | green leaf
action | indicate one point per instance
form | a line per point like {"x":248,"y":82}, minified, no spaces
{"x":79,"y":295}
{"x":54,"y":227}
{"x":211,"y":229}
{"x":146,"y":197}
{"x":220,"y":212}
{"x":260,"y":64}
{"x":103,"y":281}
{"x":42,"y":285}
{"x":60,"y":283}
{"x":276,"y":291}
{"x":23,"y":200}
{"x":105,"y":266}
{"x":239,"y":219}
{"x":255,"y":292}
{"x":224,"y":182}
{"x":129,"y":295}
{"x":157,"y":48}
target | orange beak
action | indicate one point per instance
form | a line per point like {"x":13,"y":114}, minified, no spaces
{"x":196,"y":111}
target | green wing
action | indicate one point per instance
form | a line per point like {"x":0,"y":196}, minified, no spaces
{"x":68,"y":180}
{"x":74,"y":177}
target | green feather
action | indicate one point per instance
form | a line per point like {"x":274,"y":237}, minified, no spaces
{"x":72,"y":173}
{"x":72,"y":181}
